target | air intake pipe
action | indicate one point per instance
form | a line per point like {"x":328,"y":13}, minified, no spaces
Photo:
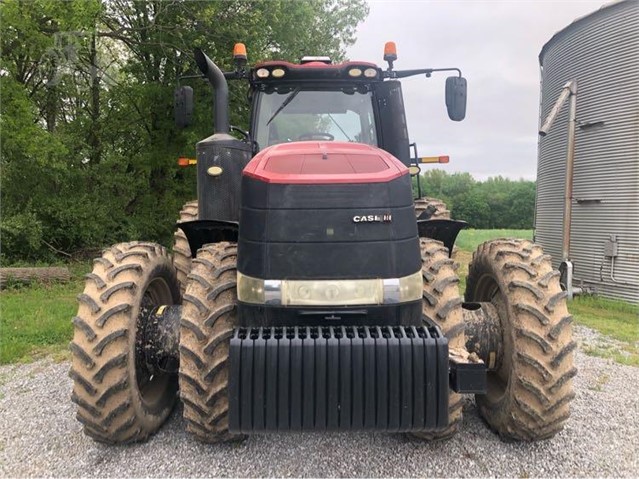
{"x":221,"y":89}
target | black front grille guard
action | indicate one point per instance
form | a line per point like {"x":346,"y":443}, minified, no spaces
{"x":339,"y":378}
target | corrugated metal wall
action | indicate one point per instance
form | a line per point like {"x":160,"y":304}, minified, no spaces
{"x":601,"y":52}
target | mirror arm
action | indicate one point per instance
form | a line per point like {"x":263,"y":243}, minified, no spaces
{"x":255,"y":148}
{"x":236,"y":75}
{"x":423,"y":71}
{"x":244,"y":133}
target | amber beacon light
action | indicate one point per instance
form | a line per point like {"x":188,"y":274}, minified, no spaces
{"x":390,"y":52}
{"x":239,"y":54}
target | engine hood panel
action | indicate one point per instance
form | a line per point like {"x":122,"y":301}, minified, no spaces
{"x":324,"y":162}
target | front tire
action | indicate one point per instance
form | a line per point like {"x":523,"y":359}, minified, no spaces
{"x":209,"y":315}
{"x":529,"y":395}
{"x":120,"y":397}
{"x":441,"y":303}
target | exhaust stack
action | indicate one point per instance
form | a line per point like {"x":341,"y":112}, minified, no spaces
{"x":220,"y":87}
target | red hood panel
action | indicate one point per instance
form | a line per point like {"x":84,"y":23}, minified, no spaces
{"x":318,"y":162}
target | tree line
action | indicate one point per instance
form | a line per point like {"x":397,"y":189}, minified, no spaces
{"x":494,"y":203}
{"x":89,"y":148}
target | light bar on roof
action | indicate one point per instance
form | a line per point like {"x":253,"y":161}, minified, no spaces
{"x":309,"y":59}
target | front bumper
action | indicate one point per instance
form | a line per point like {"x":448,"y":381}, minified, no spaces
{"x":341,"y":378}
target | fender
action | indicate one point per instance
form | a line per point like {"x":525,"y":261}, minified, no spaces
{"x":445,"y":231}
{"x":201,"y":232}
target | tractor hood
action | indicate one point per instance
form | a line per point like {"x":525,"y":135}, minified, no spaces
{"x":327,"y":210}
{"x":324,"y":162}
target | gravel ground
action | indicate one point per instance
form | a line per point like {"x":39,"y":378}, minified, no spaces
{"x":40,"y":437}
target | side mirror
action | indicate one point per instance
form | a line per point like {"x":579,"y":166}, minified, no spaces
{"x":456,"y":98}
{"x":183,"y":106}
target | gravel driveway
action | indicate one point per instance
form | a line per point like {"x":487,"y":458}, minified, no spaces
{"x":40,"y":437}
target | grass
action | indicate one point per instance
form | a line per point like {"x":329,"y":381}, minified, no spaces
{"x":469,"y":239}
{"x":615,"y":319}
{"x":619,"y":321}
{"x":36,"y":320}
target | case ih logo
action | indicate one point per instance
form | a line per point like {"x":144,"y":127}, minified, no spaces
{"x":387,"y":218}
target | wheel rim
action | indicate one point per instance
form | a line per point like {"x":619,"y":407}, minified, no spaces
{"x":488,"y":290}
{"x":151,"y":382}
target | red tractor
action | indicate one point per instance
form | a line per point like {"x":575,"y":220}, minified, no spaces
{"x":312,"y":297}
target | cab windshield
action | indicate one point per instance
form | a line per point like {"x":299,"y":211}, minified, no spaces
{"x":294,"y":114}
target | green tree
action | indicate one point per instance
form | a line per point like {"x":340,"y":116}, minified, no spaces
{"x":89,"y":147}
{"x":474,"y":208}
{"x":494,"y":203}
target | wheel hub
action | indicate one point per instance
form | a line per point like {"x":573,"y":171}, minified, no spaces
{"x":160,"y":341}
{"x":484,"y":333}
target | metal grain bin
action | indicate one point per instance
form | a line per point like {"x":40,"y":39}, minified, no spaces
{"x":601,"y":52}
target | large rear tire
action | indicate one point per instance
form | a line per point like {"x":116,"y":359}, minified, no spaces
{"x":529,"y":395}
{"x":209,"y":315}
{"x":441,"y":303}
{"x":431,"y":208}
{"x":120,"y":397}
{"x":181,"y":248}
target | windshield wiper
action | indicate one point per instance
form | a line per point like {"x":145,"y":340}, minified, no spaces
{"x":288,"y":99}
{"x":338,"y":126}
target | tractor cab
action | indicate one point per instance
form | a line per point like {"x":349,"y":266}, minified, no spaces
{"x":357,"y":102}
{"x":314,"y":100}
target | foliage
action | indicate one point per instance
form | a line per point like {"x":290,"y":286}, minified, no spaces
{"x":21,"y":234}
{"x":492,"y":204}
{"x":89,"y":147}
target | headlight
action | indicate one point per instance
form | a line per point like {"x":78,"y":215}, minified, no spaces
{"x":370,"y":73}
{"x":355,"y":72}
{"x":340,"y":292}
{"x":262,"y":73}
{"x":411,"y":287}
{"x":345,"y":292}
{"x":278,"y":72}
{"x":250,"y":290}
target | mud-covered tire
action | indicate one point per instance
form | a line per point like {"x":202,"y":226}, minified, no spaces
{"x":529,"y":396}
{"x":209,"y":314}
{"x":437,"y":208}
{"x":442,"y":303}
{"x":119,"y":398}
{"x":181,"y":248}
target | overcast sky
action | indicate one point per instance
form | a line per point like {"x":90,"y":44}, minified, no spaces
{"x":496,"y":45}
